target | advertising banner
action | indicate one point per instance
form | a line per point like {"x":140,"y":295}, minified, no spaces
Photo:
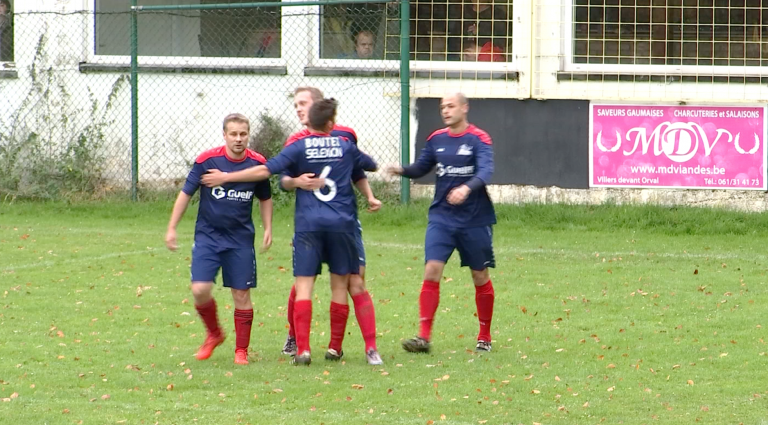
{"x":683,"y":147}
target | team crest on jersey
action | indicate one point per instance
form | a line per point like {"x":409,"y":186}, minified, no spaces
{"x":464,"y":150}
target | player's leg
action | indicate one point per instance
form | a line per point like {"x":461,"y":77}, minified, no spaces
{"x":289,"y":347}
{"x":307,"y":258}
{"x":475,"y":246}
{"x":205,"y":266}
{"x":343,"y":261}
{"x":239,"y":274}
{"x":438,"y":247}
{"x":339,"y":316}
{"x":364,"y":310}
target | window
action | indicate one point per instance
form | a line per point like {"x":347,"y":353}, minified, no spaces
{"x":6,"y":31}
{"x":670,"y":32}
{"x":441,"y":30}
{"x":229,"y":33}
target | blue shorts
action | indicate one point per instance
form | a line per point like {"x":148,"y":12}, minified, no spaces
{"x":475,"y":245}
{"x":312,"y":249}
{"x":359,"y":243}
{"x":238,"y":265}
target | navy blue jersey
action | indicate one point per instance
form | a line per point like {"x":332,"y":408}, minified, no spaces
{"x":346,"y":133}
{"x":465,"y":158}
{"x":333,"y":208}
{"x":224,"y":217}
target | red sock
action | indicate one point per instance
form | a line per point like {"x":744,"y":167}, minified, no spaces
{"x":484,"y":296}
{"x":428,"y":301}
{"x":243,"y":322}
{"x":302,"y":319}
{"x":339,"y":316}
{"x":207,"y":312}
{"x":291,"y":302}
{"x":366,"y":318}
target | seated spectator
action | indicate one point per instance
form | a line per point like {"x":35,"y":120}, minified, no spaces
{"x":364,"y":42}
{"x":6,"y":32}
{"x":482,"y":20}
{"x":487,"y":53}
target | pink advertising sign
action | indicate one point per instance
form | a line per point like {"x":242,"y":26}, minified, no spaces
{"x":684,"y":147}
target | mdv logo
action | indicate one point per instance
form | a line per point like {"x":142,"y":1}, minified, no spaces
{"x":218,"y":192}
{"x":677,"y":141}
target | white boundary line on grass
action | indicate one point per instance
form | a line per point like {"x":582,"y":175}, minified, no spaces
{"x":48,"y":263}
{"x":505,"y":250}
{"x":579,"y":254}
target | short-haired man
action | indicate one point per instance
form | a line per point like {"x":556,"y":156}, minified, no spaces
{"x":224,"y":235}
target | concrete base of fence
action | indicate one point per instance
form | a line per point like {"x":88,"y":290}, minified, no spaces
{"x":753,"y":201}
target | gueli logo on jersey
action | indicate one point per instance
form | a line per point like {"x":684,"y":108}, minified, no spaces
{"x":219,"y":192}
{"x":449,"y":170}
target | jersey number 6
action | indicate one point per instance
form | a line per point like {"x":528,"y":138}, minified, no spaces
{"x":326,"y":197}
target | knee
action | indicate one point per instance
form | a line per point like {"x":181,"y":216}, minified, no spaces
{"x":356,"y":285}
{"x":432,"y":272}
{"x":241,"y":295}
{"x":480,"y":277}
{"x":201,"y":290}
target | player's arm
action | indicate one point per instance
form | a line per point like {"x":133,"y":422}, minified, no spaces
{"x":181,"y":204}
{"x":306,"y":181}
{"x":423,"y":165}
{"x":365,"y":188}
{"x":482,"y":177}
{"x":265,"y":210}
{"x":362,"y":161}
{"x":179,"y":207}
{"x":216,"y":177}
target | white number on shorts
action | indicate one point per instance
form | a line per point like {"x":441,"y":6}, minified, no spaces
{"x":326,"y":197}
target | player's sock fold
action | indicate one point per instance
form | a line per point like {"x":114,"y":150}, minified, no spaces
{"x":302,"y":316}
{"x":243,"y":323}
{"x":366,"y":318}
{"x":291,"y":303}
{"x":208,"y":314}
{"x":339,"y":316}
{"x":428,"y":301}
{"x":484,"y":297}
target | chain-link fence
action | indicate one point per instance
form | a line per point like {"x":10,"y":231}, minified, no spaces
{"x":65,"y":99}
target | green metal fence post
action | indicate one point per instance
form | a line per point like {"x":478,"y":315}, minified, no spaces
{"x":134,"y":101}
{"x":405,"y":96}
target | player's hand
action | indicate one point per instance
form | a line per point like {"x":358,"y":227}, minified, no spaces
{"x":308,"y":181}
{"x":214,"y":177}
{"x":373,"y":205}
{"x":395,"y":170}
{"x":170,"y":240}
{"x":267,"y":242}
{"x":458,"y":195}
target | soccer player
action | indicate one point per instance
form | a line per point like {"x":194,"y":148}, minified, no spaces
{"x":224,"y":235}
{"x":304,"y":98}
{"x":460,"y":217}
{"x":324,"y":220}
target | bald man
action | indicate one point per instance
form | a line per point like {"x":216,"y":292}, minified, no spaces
{"x":460,"y":218}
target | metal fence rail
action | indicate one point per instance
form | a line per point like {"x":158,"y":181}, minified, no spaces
{"x":122,"y":99}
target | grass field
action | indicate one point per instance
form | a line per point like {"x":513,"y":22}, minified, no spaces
{"x":634,"y":315}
